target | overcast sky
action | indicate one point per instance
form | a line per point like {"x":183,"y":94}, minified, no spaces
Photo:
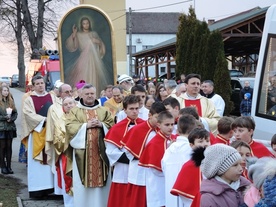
{"x":208,"y":9}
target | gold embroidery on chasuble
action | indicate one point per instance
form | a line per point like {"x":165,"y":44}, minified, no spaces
{"x":94,"y":165}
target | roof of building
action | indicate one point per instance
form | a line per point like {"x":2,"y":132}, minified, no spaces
{"x":236,"y":19}
{"x":153,"y":22}
{"x":220,"y":25}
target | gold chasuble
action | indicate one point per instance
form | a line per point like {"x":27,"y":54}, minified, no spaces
{"x":113,"y":107}
{"x":91,"y":159}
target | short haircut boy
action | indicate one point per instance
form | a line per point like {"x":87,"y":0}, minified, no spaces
{"x":164,"y":115}
{"x":156,"y":108}
{"x":189,"y":110}
{"x":224,"y":125}
{"x":173,"y":102}
{"x":186,"y":124}
{"x":198,"y":133}
{"x":244,"y":122}
{"x":130,"y":99}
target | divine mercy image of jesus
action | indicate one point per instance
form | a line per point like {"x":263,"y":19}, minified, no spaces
{"x":87,"y":57}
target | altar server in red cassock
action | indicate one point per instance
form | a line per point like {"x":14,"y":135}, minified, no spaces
{"x":225,"y":131}
{"x":244,"y":127}
{"x":176,"y":155}
{"x":187,"y":184}
{"x":135,"y":142}
{"x":116,"y":152}
{"x":151,"y":159}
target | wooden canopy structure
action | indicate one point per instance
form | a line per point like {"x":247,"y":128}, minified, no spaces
{"x":241,"y":34}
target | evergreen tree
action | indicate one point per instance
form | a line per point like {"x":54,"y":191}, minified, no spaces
{"x":214,"y":45}
{"x":222,"y":81}
{"x":200,"y":51}
{"x":185,"y":42}
{"x":202,"y":35}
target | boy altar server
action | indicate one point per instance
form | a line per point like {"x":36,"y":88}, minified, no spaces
{"x":178,"y":153}
{"x":135,"y":142}
{"x":187,"y":184}
{"x":151,"y":159}
{"x":116,"y":152}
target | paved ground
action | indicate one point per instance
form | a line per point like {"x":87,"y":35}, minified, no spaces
{"x":20,"y":170}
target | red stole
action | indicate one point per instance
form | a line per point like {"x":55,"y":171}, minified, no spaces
{"x":194,"y":103}
{"x":136,"y":138}
{"x":188,"y":181}
{"x":259,"y":150}
{"x":154,"y":152}
{"x":119,"y":130}
{"x":221,"y":139}
{"x":67,"y":179}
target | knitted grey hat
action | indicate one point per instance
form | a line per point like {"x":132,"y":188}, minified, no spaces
{"x":261,"y":169}
{"x":218,"y":159}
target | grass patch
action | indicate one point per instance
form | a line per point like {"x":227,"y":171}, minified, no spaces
{"x":9,"y":189}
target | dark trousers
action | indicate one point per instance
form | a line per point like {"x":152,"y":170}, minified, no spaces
{"x":5,"y":152}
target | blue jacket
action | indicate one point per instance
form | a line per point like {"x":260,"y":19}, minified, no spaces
{"x":245,"y":106}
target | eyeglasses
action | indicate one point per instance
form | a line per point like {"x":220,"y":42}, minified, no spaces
{"x":67,"y":92}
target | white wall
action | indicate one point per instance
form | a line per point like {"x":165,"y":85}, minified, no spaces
{"x":148,"y":40}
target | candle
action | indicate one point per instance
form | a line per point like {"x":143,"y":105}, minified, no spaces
{"x":9,"y":111}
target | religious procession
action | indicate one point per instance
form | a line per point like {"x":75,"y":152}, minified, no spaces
{"x":100,"y":139}
{"x":137,"y":145}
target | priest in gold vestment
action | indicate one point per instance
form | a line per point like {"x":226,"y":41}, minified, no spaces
{"x":55,"y":143}
{"x":209,"y":116}
{"x":86,"y":126}
{"x":115,"y":104}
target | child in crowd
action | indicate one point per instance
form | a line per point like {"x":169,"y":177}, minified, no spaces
{"x":193,"y":111}
{"x":245,"y":152}
{"x":135,"y":141}
{"x":151,"y":159}
{"x":259,"y":171}
{"x":225,"y":131}
{"x":244,"y":127}
{"x":224,"y":185}
{"x":188,"y":181}
{"x":268,"y":193}
{"x":173,"y":106}
{"x":176,"y":155}
{"x":273,"y":143}
{"x":245,"y":106}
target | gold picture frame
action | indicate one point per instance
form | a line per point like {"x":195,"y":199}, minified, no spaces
{"x":87,"y":47}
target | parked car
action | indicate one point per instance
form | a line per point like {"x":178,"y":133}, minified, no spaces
{"x":235,"y":73}
{"x":237,"y":83}
{"x":6,"y":80}
{"x":15,"y":80}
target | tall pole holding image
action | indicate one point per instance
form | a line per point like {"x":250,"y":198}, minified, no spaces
{"x":130,"y":41}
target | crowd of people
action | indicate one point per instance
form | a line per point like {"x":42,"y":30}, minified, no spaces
{"x":163,"y":144}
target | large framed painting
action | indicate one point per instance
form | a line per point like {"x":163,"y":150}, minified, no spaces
{"x":86,"y":47}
